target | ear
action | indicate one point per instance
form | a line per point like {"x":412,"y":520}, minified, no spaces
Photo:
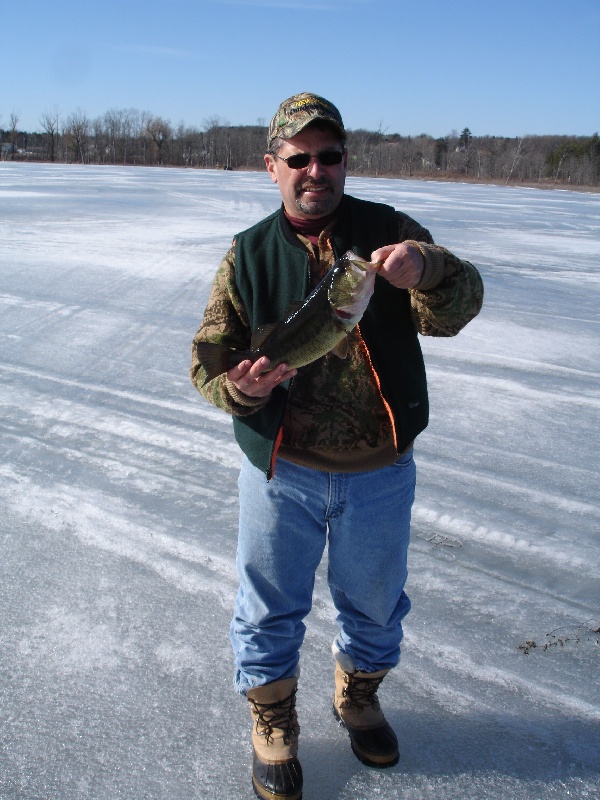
{"x":270,"y":165}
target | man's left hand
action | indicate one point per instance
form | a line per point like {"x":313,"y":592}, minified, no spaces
{"x":403,"y":264}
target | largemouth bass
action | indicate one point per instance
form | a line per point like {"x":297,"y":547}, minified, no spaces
{"x":311,"y":328}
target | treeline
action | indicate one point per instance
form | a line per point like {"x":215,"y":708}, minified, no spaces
{"x":136,"y":137}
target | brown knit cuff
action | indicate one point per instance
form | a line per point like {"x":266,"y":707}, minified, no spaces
{"x":433,"y":273}
{"x":243,"y":399}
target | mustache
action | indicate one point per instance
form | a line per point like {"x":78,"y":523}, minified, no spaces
{"x":321,"y":183}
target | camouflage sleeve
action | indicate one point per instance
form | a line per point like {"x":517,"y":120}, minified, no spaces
{"x":225,"y":322}
{"x":410,"y":229}
{"x":450,"y":293}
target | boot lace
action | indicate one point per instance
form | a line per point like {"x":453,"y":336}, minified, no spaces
{"x":280,"y":714}
{"x":361,"y":692}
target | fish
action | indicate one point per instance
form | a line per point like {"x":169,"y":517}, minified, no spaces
{"x":311,"y":328}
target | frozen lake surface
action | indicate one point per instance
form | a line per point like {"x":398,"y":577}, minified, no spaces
{"x":119,"y":504}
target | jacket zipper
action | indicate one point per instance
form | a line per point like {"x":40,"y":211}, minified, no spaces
{"x":387,"y":406}
{"x":279,"y":437}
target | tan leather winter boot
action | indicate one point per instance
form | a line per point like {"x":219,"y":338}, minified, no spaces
{"x":276,"y":771}
{"x":356,"y":707}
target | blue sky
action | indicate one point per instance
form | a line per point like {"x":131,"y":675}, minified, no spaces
{"x":508,"y":68}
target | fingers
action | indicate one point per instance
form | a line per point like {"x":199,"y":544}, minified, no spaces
{"x":252,"y":379}
{"x":238,"y":372}
{"x":382,"y":253}
{"x":403,"y":266}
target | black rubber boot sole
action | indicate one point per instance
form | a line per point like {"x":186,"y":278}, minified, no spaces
{"x":383,"y":759}
{"x":265,"y":794}
{"x":277,"y":781}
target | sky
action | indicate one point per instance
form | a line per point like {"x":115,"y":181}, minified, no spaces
{"x":515,"y":68}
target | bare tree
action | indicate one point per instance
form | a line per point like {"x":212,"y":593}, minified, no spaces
{"x":113,"y":128}
{"x":380,"y":134}
{"x":216,"y":145}
{"x":127,"y":134}
{"x":13,"y":122}
{"x":159,"y":131}
{"x":98,"y":150}
{"x":138,"y":137}
{"x":77,"y":131}
{"x":516,"y":158}
{"x":49,"y":123}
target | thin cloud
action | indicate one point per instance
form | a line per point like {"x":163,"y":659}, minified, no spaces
{"x":152,"y":50}
{"x":304,"y":5}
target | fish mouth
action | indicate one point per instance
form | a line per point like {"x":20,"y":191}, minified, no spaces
{"x":351,"y":308}
{"x":359,"y":265}
{"x":352,"y":314}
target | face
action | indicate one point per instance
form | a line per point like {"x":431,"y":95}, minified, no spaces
{"x":315,"y":190}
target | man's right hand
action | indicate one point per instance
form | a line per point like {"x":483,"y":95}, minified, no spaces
{"x":252,"y":380}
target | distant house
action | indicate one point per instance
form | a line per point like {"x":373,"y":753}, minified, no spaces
{"x":21,"y":153}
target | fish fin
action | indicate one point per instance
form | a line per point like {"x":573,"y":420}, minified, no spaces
{"x":293,"y":308}
{"x":341,"y":348}
{"x":261,"y":334}
{"x":217,"y":358}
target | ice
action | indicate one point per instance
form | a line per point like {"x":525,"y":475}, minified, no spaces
{"x":119,"y":503}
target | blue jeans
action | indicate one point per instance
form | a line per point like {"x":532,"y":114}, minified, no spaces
{"x":284,"y":526}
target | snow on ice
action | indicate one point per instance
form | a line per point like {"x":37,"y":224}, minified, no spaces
{"x":119,"y":504}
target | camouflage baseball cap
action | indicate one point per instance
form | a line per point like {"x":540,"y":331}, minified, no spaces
{"x":300,"y":110}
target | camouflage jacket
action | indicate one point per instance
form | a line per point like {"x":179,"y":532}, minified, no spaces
{"x":335,"y":415}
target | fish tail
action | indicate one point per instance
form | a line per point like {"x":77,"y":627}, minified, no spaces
{"x":217,"y":358}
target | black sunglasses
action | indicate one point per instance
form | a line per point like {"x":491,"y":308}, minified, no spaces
{"x":327,"y":158}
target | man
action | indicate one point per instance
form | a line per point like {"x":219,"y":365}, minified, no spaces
{"x":328,"y":447}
